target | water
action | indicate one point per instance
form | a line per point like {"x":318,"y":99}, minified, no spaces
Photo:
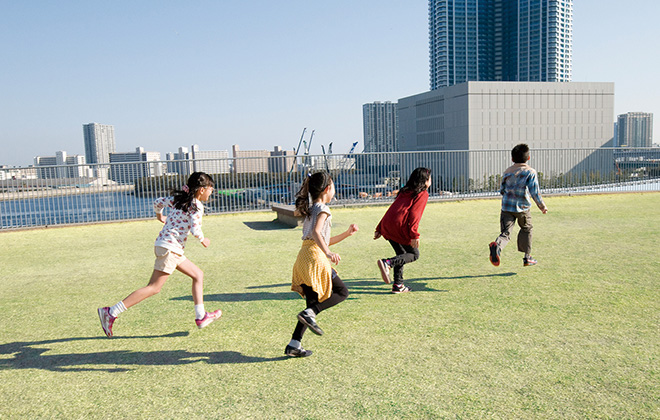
{"x":81,"y":208}
{"x":112,"y":206}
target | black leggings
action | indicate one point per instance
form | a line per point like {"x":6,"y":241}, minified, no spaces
{"x":404,"y":254}
{"x":339,"y":294}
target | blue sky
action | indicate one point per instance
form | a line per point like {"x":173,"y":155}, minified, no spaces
{"x":216,"y":73}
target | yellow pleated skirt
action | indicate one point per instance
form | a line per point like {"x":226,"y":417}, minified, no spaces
{"x":313,"y":269}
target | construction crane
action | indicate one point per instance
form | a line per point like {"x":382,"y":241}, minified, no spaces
{"x":344,"y":163}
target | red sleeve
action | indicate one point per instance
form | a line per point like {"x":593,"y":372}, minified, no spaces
{"x":416,"y":212}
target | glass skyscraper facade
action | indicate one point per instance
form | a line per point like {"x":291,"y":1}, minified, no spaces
{"x":635,"y":129}
{"x":499,"y":40}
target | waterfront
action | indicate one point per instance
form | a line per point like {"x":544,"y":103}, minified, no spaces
{"x":122,"y":205}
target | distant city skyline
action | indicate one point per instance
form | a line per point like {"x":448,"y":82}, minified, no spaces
{"x":254,"y":74}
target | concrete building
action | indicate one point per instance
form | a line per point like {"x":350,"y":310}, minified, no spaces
{"x":499,"y":40}
{"x":249,"y":161}
{"x":282,"y":161}
{"x":197,"y":160}
{"x":179,"y":162}
{"x":61,"y":166}
{"x":131,"y":169}
{"x":498,"y":115}
{"x":379,"y":123}
{"x":635,"y":129}
{"x":210,"y":161}
{"x":99,"y":142}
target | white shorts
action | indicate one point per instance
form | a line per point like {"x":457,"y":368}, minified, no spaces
{"x":166,"y":260}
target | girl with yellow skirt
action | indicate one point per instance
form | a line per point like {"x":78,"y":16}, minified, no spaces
{"x":313,"y":276}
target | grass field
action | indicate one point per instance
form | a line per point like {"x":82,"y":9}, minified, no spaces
{"x":575,"y":337}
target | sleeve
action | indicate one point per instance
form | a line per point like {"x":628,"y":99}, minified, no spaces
{"x":161,"y":203}
{"x":533,"y":187}
{"x":415,"y":213}
{"x":503,"y":185}
{"x":196,"y":225}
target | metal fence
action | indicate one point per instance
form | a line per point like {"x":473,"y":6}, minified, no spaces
{"x":76,"y":194}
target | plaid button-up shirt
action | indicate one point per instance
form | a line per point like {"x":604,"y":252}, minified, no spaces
{"x":519,"y":184}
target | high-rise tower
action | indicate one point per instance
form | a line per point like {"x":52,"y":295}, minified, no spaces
{"x":635,"y":129}
{"x":379,"y":122}
{"x":99,"y":142}
{"x":499,"y":40}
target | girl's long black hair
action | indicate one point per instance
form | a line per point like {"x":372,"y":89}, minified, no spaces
{"x":417,"y":181}
{"x":183,"y":198}
{"x":313,"y":186}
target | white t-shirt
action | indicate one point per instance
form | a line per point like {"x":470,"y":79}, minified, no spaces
{"x":310,"y":222}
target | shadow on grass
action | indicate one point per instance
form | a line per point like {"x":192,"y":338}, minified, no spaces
{"x":355,"y":286}
{"x":25,"y":356}
{"x":245,"y":297}
{"x":272,"y":225}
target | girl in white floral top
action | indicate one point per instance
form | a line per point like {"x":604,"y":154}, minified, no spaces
{"x":184,"y":217}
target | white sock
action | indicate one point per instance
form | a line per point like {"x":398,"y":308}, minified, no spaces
{"x":117,"y":309}
{"x":295,"y":343}
{"x":199,"y":311}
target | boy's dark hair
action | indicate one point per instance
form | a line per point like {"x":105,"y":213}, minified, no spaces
{"x":520,"y":153}
{"x":183,"y":198}
{"x":417,"y":180}
{"x":313,"y":186}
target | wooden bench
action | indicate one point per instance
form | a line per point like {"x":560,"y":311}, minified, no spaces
{"x":288,"y":214}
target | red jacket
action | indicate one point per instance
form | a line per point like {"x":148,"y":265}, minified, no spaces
{"x":402,"y":218}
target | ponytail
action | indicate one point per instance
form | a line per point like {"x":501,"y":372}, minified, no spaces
{"x":184,"y":198}
{"x":313,"y":186}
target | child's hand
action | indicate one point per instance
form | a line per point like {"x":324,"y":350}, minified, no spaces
{"x":544,"y":210}
{"x":352,"y":229}
{"x":161,"y":217}
{"x":376,"y":235}
{"x":335,"y":258}
{"x":206,"y":242}
{"x":414,"y":243}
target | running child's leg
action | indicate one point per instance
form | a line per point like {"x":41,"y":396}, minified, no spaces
{"x":311,"y":299}
{"x":107,"y":315}
{"x":156,"y":282}
{"x":339,"y":294}
{"x":202,"y":318}
{"x":405,"y":254}
{"x":507,"y":220}
{"x":525,"y":234}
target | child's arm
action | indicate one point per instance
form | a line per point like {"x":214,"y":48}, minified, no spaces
{"x":318,"y":238}
{"x":159,"y":205}
{"x":533,"y":187}
{"x":196,"y":229}
{"x":415,"y":216}
{"x":349,"y":232}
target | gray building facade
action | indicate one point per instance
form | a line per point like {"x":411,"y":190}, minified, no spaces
{"x":498,"y":115}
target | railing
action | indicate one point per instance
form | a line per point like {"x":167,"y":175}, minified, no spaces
{"x":74,"y":194}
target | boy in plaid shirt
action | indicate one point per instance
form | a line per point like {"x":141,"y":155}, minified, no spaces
{"x":519,"y":183}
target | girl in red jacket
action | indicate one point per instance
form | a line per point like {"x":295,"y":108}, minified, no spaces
{"x":399,"y":227}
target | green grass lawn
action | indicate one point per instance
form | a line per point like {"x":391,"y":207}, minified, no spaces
{"x":577,"y":336}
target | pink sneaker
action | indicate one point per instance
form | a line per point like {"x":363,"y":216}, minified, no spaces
{"x":106,"y":320}
{"x":208,"y":318}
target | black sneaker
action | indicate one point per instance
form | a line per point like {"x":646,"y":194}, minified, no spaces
{"x":296,"y":352}
{"x":310,"y":321}
{"x":494,"y":254}
{"x":400,"y":288}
